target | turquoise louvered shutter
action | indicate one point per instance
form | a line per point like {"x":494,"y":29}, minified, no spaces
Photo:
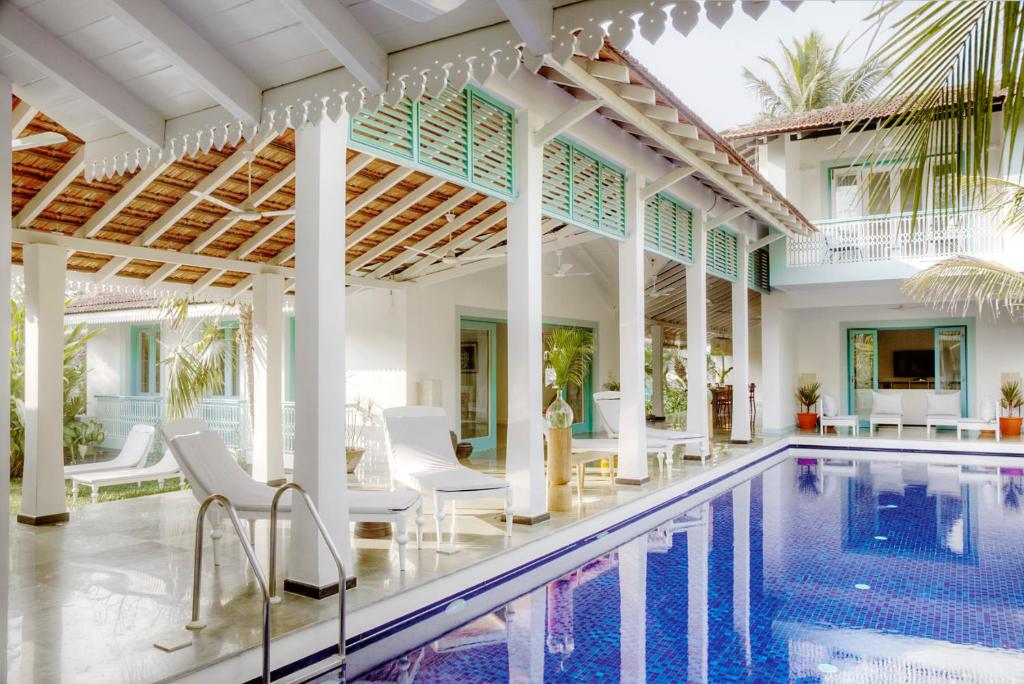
{"x":722,"y":254}
{"x":586,"y":190}
{"x":613,"y":202}
{"x":443,"y":127}
{"x":759,"y":275}
{"x":389,"y":129}
{"x":668,"y":229}
{"x":491,"y":139}
{"x":556,"y":192}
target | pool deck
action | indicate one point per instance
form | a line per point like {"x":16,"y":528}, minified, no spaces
{"x":90,"y":598}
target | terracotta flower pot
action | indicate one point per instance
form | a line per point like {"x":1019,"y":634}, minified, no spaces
{"x":807,"y":421}
{"x":1009,"y":426}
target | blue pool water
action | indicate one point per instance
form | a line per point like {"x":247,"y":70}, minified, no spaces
{"x":816,"y":570}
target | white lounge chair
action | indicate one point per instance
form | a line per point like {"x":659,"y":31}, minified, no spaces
{"x":608,"y":410}
{"x":211,"y":468}
{"x":834,"y":420}
{"x":886,"y":409}
{"x":164,"y":469}
{"x":943,"y":411}
{"x":989,"y":421}
{"x":136,"y":448}
{"x":421,"y":456}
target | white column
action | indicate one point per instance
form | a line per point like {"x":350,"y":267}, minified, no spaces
{"x":524,"y":463}
{"x":697,"y":599}
{"x":526,"y":618}
{"x":632,"y":421}
{"x":657,"y":371}
{"x":697,"y":334}
{"x":319,"y":353}
{"x":43,"y":500}
{"x":268,"y":356}
{"x":5,"y":365}
{"x":741,"y":346}
{"x":741,"y":566}
{"x":633,"y":610}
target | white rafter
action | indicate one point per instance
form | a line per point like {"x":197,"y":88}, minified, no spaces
{"x":389,"y":214}
{"x":672,"y":177}
{"x":532,"y":20}
{"x":723,"y":216}
{"x":337,"y":29}
{"x":421,"y":223}
{"x":245,"y":249}
{"x":397,"y":175}
{"x":113,"y":206}
{"x":457,"y":243}
{"x":765,"y":241}
{"x":58,"y":61}
{"x":21,"y":117}
{"x":53,"y":188}
{"x":560,"y":123}
{"x":204,"y":65}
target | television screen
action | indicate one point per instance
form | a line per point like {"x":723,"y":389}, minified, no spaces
{"x":913,"y":363}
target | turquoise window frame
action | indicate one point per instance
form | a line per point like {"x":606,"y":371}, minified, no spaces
{"x":851,"y":397}
{"x":491,"y":440}
{"x":153,"y":370}
{"x":851,"y":164}
{"x":602,"y":164}
{"x":735,"y":257}
{"x":228,"y":390}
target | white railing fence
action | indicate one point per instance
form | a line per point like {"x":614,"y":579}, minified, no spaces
{"x":896,"y":237}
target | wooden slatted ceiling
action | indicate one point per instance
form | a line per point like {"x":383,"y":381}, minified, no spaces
{"x":80,"y":200}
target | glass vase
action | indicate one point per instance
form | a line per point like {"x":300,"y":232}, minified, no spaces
{"x":559,"y":413}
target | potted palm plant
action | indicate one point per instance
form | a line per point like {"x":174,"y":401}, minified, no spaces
{"x":567,"y":353}
{"x":1012,"y":399}
{"x":808,"y":396}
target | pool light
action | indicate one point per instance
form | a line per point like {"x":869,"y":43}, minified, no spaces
{"x":827,"y":668}
{"x":881,"y":537}
{"x":861,"y":586}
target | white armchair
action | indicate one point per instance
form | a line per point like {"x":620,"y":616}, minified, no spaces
{"x":886,"y":409}
{"x":943,"y":411}
{"x":828,"y":416}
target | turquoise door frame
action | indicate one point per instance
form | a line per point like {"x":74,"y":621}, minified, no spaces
{"x":852,"y":398}
{"x":962,"y":331}
{"x":490,"y":441}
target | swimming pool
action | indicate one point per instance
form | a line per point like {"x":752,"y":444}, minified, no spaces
{"x":822,"y":568}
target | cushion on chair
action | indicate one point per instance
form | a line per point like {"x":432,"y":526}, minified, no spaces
{"x":947,"y":404}
{"x":380,"y":501}
{"x":887,"y":403}
{"x":829,"y":406}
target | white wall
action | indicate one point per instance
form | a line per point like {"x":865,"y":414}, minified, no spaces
{"x":375,"y":346}
{"x":107,"y":362}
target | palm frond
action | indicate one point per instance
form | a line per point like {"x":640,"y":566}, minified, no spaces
{"x":1006,"y":201}
{"x":961,"y":282}
{"x":568,"y":351}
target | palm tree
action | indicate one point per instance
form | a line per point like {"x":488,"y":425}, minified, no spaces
{"x":808,"y":77}
{"x":195,"y":362}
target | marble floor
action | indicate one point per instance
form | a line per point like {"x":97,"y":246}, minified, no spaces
{"x":89,"y":598}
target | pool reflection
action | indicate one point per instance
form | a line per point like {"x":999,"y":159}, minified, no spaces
{"x":818,"y":569}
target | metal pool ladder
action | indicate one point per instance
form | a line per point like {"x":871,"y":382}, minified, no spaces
{"x":336,"y":662}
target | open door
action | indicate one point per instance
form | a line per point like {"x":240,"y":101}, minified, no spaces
{"x":478,"y":383}
{"x":863,"y":371}
{"x":951,"y":362}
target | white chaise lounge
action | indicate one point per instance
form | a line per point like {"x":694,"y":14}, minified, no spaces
{"x":828,"y":416}
{"x":211,"y":468}
{"x":608,"y":408}
{"x":136,"y":448}
{"x":164,"y":469}
{"x":943,"y":411}
{"x":421,"y":456}
{"x":886,"y":409}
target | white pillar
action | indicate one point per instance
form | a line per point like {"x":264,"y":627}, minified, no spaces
{"x":697,"y":599}
{"x":524,"y":463}
{"x":43,"y":496}
{"x":697,"y":334}
{"x":633,"y":610}
{"x":741,"y":346}
{"x":741,"y":566}
{"x":632,"y":421}
{"x":5,"y":365}
{"x":268,"y":355}
{"x":657,"y":371}
{"x":526,"y":618}
{"x":319,"y":354}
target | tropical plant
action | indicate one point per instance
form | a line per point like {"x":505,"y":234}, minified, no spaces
{"x":195,"y":362}
{"x":567,"y":352}
{"x":808,"y":77}
{"x":717,"y":371}
{"x":367,"y":412}
{"x":808,"y":395}
{"x":1012,"y":398}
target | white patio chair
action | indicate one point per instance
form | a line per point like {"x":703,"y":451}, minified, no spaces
{"x":134,"y":451}
{"x":164,"y":469}
{"x":211,"y":468}
{"x":421,"y":456}
{"x":988,"y":421}
{"x":825,"y":420}
{"x":886,"y":409}
{"x":608,"y":410}
{"x":943,"y":411}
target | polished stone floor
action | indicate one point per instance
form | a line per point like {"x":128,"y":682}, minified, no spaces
{"x":90,"y":598}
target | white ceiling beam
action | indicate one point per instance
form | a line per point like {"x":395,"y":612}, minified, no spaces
{"x":397,"y":175}
{"x":58,"y":61}
{"x":456,"y":244}
{"x":765,"y":241}
{"x":482,"y":247}
{"x":533,"y":21}
{"x":21,"y":117}
{"x":337,"y":29}
{"x":53,"y":188}
{"x":671,"y":178}
{"x":563,"y":121}
{"x":723,"y":216}
{"x":385,"y":217}
{"x":421,"y":10}
{"x":421,"y":223}
{"x":128,"y":192}
{"x":203,"y":64}
{"x":279,"y":259}
{"x":130,"y":252}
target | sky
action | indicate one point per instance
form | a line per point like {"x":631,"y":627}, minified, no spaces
{"x":704,"y":69}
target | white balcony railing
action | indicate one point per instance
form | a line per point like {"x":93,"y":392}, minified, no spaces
{"x":896,"y":238}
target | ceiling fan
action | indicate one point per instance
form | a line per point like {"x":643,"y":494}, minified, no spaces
{"x":450,"y":258}
{"x":37,"y":140}
{"x":247,"y":210}
{"x":563,"y":269}
{"x":655,"y":293}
